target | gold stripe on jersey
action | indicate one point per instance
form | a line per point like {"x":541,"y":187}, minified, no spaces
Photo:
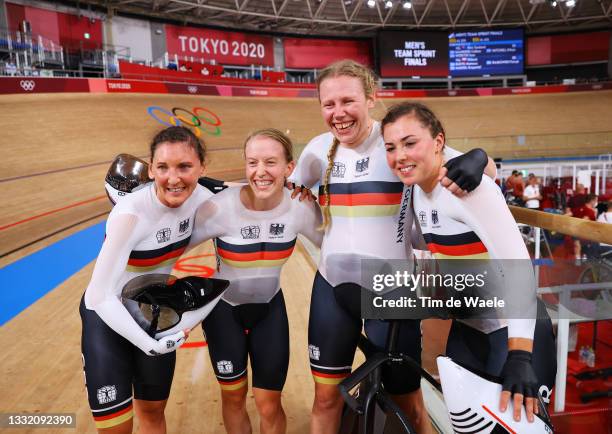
{"x":364,"y":210}
{"x":137,"y":269}
{"x":233,"y":385}
{"x":114,"y":419}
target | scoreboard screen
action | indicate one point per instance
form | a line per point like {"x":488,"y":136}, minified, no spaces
{"x":484,"y":53}
{"x":413,"y":54}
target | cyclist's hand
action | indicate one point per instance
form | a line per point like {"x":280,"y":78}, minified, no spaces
{"x":305,"y":193}
{"x":169,"y":343}
{"x":519,"y":381}
{"x":464,"y":172}
{"x":449,"y":184}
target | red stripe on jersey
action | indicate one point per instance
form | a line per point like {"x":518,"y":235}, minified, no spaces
{"x":113,"y":415}
{"x":229,"y":383}
{"x":460,"y":250}
{"x":154,"y":261}
{"x":254,"y":256}
{"x":194,"y":344}
{"x":321,"y":374}
{"x":359,"y":199}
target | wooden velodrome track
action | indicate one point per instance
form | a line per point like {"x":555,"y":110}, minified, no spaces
{"x":56,"y":150}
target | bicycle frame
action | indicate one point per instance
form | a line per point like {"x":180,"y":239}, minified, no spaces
{"x":370,"y":372}
{"x":369,"y":376}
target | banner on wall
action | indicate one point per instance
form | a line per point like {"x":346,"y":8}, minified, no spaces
{"x":229,"y":48}
{"x":305,"y":53}
{"x":571,"y":48}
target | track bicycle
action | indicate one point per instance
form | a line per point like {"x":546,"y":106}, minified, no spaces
{"x":369,"y":408}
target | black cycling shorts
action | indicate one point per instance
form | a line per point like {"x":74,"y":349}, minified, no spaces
{"x":113,"y":367}
{"x":258,"y":330}
{"x":333,"y":333}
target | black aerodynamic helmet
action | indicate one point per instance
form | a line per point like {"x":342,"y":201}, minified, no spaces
{"x":162,"y":304}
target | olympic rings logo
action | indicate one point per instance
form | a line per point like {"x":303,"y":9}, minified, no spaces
{"x":27,"y":85}
{"x":200,"y":119}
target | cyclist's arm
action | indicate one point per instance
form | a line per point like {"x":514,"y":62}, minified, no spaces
{"x":208,"y":222}
{"x":104,"y":290}
{"x":308,"y":169}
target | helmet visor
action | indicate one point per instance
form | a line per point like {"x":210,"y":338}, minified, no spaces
{"x":141,"y":298}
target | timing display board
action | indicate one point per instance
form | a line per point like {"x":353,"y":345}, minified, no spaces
{"x":484,"y":53}
{"x":413,"y":54}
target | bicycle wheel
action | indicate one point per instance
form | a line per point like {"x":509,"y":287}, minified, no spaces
{"x":598,"y":272}
{"x":392,"y":418}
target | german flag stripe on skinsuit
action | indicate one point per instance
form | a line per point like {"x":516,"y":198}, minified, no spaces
{"x":323,"y":378}
{"x":360,"y":199}
{"x":234,"y":384}
{"x":114,"y":419}
{"x":363,"y":199}
{"x":256,"y":254}
{"x":365,"y":187}
{"x":364,"y":211}
{"x":149,"y":259}
{"x":466,"y":245}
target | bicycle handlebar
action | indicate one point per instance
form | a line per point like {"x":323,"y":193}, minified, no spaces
{"x":357,"y":377}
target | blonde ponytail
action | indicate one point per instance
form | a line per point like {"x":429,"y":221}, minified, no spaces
{"x":326,"y":205}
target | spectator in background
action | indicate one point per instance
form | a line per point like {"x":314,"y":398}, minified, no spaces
{"x":515,"y":188}
{"x":510,"y":181}
{"x":11,"y":69}
{"x":519,"y":186}
{"x":531,"y":194}
{"x":586,"y":212}
{"x":606,"y":214}
{"x":550,"y":197}
{"x":577,"y":200}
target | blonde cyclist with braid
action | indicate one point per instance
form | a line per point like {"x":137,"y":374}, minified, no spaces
{"x":367,"y":215}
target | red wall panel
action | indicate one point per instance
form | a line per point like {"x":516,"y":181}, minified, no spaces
{"x":303,"y":53}
{"x":73,"y":28}
{"x":538,"y":50}
{"x":44,"y":23}
{"x":574,"y":48}
{"x":65,"y":29}
{"x":15,"y":15}
{"x":42,"y":85}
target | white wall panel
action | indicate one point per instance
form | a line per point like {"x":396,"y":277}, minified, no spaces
{"x":135,"y":34}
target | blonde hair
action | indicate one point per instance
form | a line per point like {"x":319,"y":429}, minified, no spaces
{"x":342,"y":68}
{"x":350,"y":68}
{"x":326,"y":211}
{"x":276,"y":135}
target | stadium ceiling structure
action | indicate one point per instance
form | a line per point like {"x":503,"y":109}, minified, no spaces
{"x":363,"y":18}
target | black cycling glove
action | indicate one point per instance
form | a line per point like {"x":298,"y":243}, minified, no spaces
{"x":518,"y":375}
{"x":466,"y":170}
{"x":214,"y":185}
